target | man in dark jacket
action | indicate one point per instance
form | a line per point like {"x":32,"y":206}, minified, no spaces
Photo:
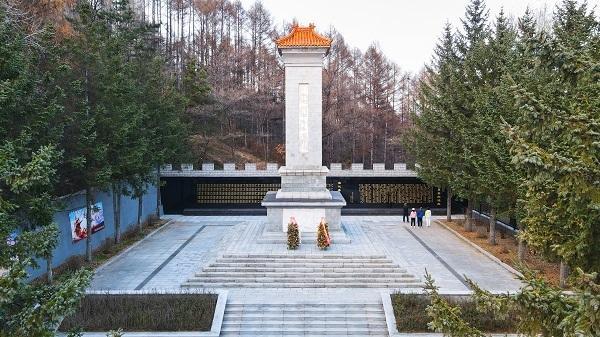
{"x":405,"y":214}
{"x":420,"y":215}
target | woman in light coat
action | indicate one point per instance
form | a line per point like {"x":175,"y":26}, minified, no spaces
{"x":428,"y":218}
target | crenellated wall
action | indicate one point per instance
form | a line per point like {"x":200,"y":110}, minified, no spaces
{"x":250,"y":170}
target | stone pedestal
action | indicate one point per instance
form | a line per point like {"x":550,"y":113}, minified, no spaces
{"x":308,"y":212}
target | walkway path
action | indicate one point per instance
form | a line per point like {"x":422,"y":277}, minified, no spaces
{"x":382,"y":248}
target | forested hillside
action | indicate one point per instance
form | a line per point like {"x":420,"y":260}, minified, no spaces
{"x":226,"y":55}
{"x":366,"y":102}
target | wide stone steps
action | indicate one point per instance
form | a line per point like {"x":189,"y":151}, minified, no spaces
{"x":217,"y":285}
{"x":301,"y":279}
{"x":304,"y":320}
{"x":201,"y":279}
{"x":302,"y":271}
{"x":304,"y":264}
{"x":315,"y":315}
{"x":261,"y":307}
{"x":275,"y":262}
{"x":307,"y":322}
{"x":303,"y":256}
{"x":324,"y":259}
{"x":250,"y":275}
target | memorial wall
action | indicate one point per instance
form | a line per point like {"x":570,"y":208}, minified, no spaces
{"x":245,"y":189}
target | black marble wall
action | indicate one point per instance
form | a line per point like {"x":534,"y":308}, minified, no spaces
{"x":181,"y":193}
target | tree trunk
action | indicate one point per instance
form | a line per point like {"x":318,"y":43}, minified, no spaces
{"x":49,"y":273}
{"x":564,"y":274}
{"x":88,"y":222}
{"x":385,"y":131}
{"x":158,"y":200}
{"x":469,"y":216}
{"x":448,"y":204}
{"x":116,"y":198}
{"x":492,"y":238}
{"x":119,"y":197}
{"x":521,"y":250}
{"x":140,"y":198}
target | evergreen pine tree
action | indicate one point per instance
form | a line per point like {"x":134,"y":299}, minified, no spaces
{"x":29,"y":133}
{"x":473,"y":72}
{"x":495,"y":176}
{"x":555,"y":140}
{"x":432,"y":141}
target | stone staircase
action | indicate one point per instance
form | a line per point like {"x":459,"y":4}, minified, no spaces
{"x":302,"y":271}
{"x":316,"y":319}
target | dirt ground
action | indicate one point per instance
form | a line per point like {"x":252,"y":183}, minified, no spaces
{"x":506,"y":249}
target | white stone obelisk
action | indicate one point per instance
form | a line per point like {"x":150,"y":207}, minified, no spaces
{"x":303,"y":192}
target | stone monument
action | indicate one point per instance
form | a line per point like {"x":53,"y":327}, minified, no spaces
{"x":303,"y":192}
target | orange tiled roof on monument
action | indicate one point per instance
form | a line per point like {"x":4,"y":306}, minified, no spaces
{"x":303,"y":37}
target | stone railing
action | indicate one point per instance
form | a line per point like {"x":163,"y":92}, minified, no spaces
{"x":250,"y":170}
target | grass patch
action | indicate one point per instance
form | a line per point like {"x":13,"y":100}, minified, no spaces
{"x":411,"y":316}
{"x":144,"y":312}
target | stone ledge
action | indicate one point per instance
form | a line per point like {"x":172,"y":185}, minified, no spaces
{"x":390,"y":318}
{"x":337,"y":200}
{"x":321,"y":171}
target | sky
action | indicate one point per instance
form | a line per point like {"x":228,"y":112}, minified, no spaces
{"x":406,"y":30}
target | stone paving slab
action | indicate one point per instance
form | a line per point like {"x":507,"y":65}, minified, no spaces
{"x":130,"y":269}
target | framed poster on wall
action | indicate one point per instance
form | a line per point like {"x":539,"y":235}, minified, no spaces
{"x":77,"y":218}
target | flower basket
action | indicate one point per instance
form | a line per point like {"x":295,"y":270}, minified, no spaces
{"x":323,"y":238}
{"x":293,"y":234}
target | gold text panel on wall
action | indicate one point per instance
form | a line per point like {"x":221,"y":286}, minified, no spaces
{"x":245,"y":193}
{"x":395,"y":193}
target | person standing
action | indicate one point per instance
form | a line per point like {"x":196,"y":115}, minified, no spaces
{"x":428,"y":217}
{"x":405,"y":214}
{"x":413,"y":217}
{"x":420,"y":215}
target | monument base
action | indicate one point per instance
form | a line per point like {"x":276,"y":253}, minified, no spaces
{"x":308,"y":212}
{"x":337,"y":237}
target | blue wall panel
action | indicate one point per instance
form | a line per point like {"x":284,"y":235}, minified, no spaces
{"x":66,"y":248}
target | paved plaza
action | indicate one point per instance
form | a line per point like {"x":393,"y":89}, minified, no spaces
{"x":216,"y":247}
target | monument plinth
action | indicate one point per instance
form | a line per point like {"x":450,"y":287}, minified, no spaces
{"x":303,"y":192}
